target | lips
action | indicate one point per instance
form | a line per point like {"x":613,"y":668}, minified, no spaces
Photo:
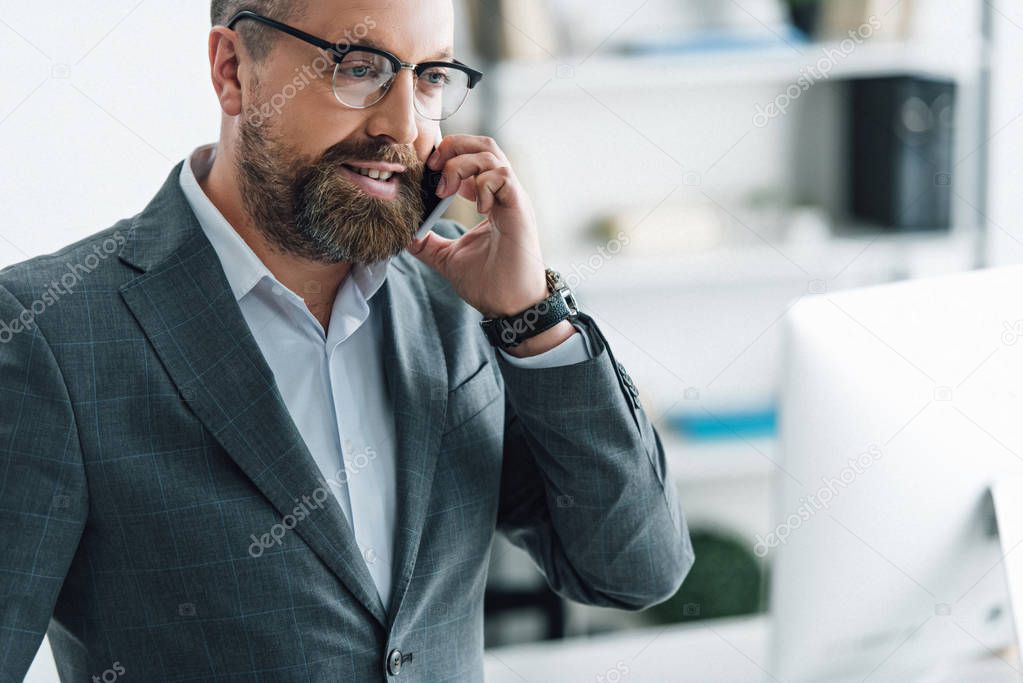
{"x":375,"y":187}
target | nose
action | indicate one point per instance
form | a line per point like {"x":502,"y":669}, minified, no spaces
{"x":394,"y":116}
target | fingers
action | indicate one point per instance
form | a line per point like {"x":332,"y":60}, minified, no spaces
{"x":492,"y":188}
{"x":457,"y":145}
{"x":490,"y":184}
{"x":466,"y":166}
{"x":475,"y":168}
{"x":431,"y":250}
{"x":468,"y":190}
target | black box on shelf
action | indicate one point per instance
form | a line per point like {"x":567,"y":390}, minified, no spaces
{"x":901,"y":147}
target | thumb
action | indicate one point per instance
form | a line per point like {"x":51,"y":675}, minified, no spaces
{"x":431,"y":249}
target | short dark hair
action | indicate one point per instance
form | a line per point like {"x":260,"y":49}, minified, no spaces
{"x":259,"y":39}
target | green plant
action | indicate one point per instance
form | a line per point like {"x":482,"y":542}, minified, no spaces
{"x":725,"y":581}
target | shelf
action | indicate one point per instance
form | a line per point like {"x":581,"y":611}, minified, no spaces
{"x":727,"y":459}
{"x":867,"y":256}
{"x":774,"y":65}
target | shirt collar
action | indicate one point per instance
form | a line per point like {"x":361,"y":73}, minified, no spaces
{"x":245,"y":270}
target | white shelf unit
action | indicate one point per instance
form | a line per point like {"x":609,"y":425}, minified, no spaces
{"x":860,"y":257}
{"x":700,"y":462}
{"x":577,"y":126}
{"x":545,"y":111}
{"x":675,"y":106}
{"x":777,"y":64}
{"x":609,"y":132}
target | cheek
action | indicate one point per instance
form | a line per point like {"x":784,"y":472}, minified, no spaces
{"x":311,"y":133}
{"x":311,"y":121}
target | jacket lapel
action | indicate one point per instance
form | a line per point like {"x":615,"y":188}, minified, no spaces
{"x":418,"y":384}
{"x":186,"y":308}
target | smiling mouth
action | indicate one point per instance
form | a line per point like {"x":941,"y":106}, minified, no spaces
{"x":385,"y":186}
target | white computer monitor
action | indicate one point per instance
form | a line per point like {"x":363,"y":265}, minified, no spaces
{"x":901,"y":405}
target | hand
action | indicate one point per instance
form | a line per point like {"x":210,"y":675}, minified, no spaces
{"x":496,"y":267}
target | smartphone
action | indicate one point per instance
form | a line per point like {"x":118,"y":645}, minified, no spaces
{"x":434,"y":206}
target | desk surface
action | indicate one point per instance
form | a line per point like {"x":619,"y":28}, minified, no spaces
{"x":715,"y":651}
{"x":722,"y":651}
{"x":718,"y":651}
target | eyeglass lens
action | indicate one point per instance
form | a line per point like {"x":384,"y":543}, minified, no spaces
{"x":362,"y":79}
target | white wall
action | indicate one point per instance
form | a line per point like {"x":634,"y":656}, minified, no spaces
{"x":99,"y":101}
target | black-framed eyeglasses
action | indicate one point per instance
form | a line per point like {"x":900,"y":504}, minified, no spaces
{"x":364,"y":74}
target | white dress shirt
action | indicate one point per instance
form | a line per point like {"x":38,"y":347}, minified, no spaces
{"x":332,"y":382}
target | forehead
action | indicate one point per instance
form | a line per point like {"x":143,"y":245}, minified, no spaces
{"x":414,"y":30}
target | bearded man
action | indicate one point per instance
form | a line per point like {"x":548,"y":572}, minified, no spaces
{"x":262,"y":430}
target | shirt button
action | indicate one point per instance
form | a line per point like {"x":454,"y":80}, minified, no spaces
{"x":394,"y":662}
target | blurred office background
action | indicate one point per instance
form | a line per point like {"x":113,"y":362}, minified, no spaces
{"x":697,"y":166}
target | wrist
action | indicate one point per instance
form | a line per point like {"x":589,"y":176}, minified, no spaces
{"x":508,"y":309}
{"x":543,"y":325}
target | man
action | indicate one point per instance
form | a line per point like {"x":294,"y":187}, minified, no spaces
{"x":257,"y":432}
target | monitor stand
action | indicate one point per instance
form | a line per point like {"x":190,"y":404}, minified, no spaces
{"x":1007,"y":497}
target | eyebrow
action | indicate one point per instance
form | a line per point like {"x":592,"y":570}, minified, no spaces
{"x":446,"y":53}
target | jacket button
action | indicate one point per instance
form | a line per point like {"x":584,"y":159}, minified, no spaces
{"x":394,"y":662}
{"x":628,"y":381}
{"x":629,"y":384}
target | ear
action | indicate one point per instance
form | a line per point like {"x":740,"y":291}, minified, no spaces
{"x":224,"y":65}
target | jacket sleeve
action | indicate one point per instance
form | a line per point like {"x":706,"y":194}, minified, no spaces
{"x":43,"y":496}
{"x":585,"y":487}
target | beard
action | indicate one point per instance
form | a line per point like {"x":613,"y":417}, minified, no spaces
{"x":309,"y":209}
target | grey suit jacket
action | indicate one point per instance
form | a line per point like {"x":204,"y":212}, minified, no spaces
{"x":144,"y":445}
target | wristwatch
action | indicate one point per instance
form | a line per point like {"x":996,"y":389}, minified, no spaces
{"x":510,"y":331}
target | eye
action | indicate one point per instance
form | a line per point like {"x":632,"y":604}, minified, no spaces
{"x":436,"y":77}
{"x":359,"y":71}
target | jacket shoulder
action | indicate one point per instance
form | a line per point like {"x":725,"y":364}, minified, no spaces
{"x":90,"y":257}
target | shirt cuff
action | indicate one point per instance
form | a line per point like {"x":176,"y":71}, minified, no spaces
{"x":575,"y":349}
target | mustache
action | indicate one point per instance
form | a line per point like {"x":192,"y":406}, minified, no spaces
{"x":371,"y":151}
